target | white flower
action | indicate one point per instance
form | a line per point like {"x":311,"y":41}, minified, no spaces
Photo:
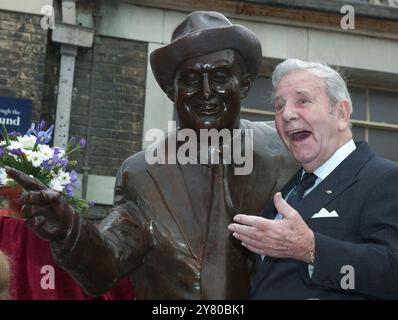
{"x":4,"y":177}
{"x":60,"y":180}
{"x":64,"y":177}
{"x":45,"y":152}
{"x":27,"y":142}
{"x":15,"y":145}
{"x":61,"y":153}
{"x":56,"y":185}
{"x":34,"y":157}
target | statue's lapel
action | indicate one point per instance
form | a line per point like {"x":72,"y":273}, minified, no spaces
{"x":171,"y":186}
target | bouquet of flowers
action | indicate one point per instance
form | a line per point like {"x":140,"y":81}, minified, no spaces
{"x":31,"y":154}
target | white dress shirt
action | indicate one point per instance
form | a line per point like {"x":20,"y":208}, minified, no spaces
{"x":322,"y":172}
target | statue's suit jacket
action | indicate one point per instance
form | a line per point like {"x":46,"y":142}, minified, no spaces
{"x":356,"y":248}
{"x":152,"y":235}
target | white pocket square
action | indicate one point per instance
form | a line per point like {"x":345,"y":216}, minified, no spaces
{"x":323,"y":213}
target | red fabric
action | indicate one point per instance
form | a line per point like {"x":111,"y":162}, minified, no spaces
{"x":28,"y":255}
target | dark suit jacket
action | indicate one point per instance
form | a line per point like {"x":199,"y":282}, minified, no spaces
{"x":365,"y":235}
{"x":152,"y":234}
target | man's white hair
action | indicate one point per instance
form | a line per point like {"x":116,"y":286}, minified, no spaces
{"x":335,"y":84}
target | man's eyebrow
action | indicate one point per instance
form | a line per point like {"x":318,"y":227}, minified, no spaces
{"x":302,"y":92}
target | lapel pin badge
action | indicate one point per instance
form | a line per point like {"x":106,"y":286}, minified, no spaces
{"x":328,"y":191}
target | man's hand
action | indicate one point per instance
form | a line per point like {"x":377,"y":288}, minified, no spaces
{"x":287,"y":238}
{"x":45,"y":211}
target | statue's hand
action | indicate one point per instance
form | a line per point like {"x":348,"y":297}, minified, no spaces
{"x":46,"y":213}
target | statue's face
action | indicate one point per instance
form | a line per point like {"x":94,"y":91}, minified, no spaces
{"x":208,"y":90}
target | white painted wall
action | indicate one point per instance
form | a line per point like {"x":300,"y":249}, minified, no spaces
{"x":158,"y":107}
{"x":278,"y":41}
{"x":99,"y":189}
{"x":348,"y":50}
{"x":131,"y":22}
{"x":26,"y":6}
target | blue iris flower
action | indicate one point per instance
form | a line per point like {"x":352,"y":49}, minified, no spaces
{"x":16,"y":152}
{"x":73,"y":177}
{"x":44,"y":137}
{"x":50,"y":163}
{"x":74,"y":183}
{"x":63,"y":162}
{"x":82,"y":143}
{"x":34,"y":130}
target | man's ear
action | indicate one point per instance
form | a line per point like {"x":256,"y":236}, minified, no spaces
{"x":245,"y":85}
{"x":170,"y":92}
{"x":343,"y":114}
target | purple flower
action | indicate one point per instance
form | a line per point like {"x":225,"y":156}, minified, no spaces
{"x":50,"y":130}
{"x":57,"y":151}
{"x":69,"y":189}
{"x":73,"y":177}
{"x":34,"y":131}
{"x":44,"y":137}
{"x":41,"y":125}
{"x":83,"y":143}
{"x":50,"y":163}
{"x":74,"y":183}
{"x":16,"y":152}
{"x":14,"y":134}
{"x":73,"y":140}
{"x":1,"y":151}
{"x":63,"y":162}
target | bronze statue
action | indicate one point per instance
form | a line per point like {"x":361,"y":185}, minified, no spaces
{"x":168,"y":225}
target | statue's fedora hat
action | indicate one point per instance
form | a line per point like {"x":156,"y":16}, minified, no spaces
{"x":201,"y":33}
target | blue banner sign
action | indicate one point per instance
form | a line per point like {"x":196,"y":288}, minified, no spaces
{"x":15,"y":114}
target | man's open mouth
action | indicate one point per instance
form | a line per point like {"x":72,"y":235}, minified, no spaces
{"x":299,"y":135}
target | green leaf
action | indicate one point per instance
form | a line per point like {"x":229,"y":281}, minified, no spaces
{"x":5,"y":134}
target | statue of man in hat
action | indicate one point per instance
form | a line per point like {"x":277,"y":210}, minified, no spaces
{"x":168,"y":225}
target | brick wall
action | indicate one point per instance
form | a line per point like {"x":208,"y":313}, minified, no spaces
{"x":22,"y":58}
{"x":29,"y":68}
{"x":119,"y":92}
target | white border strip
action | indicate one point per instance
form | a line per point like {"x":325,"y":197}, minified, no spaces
{"x":25,"y":6}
